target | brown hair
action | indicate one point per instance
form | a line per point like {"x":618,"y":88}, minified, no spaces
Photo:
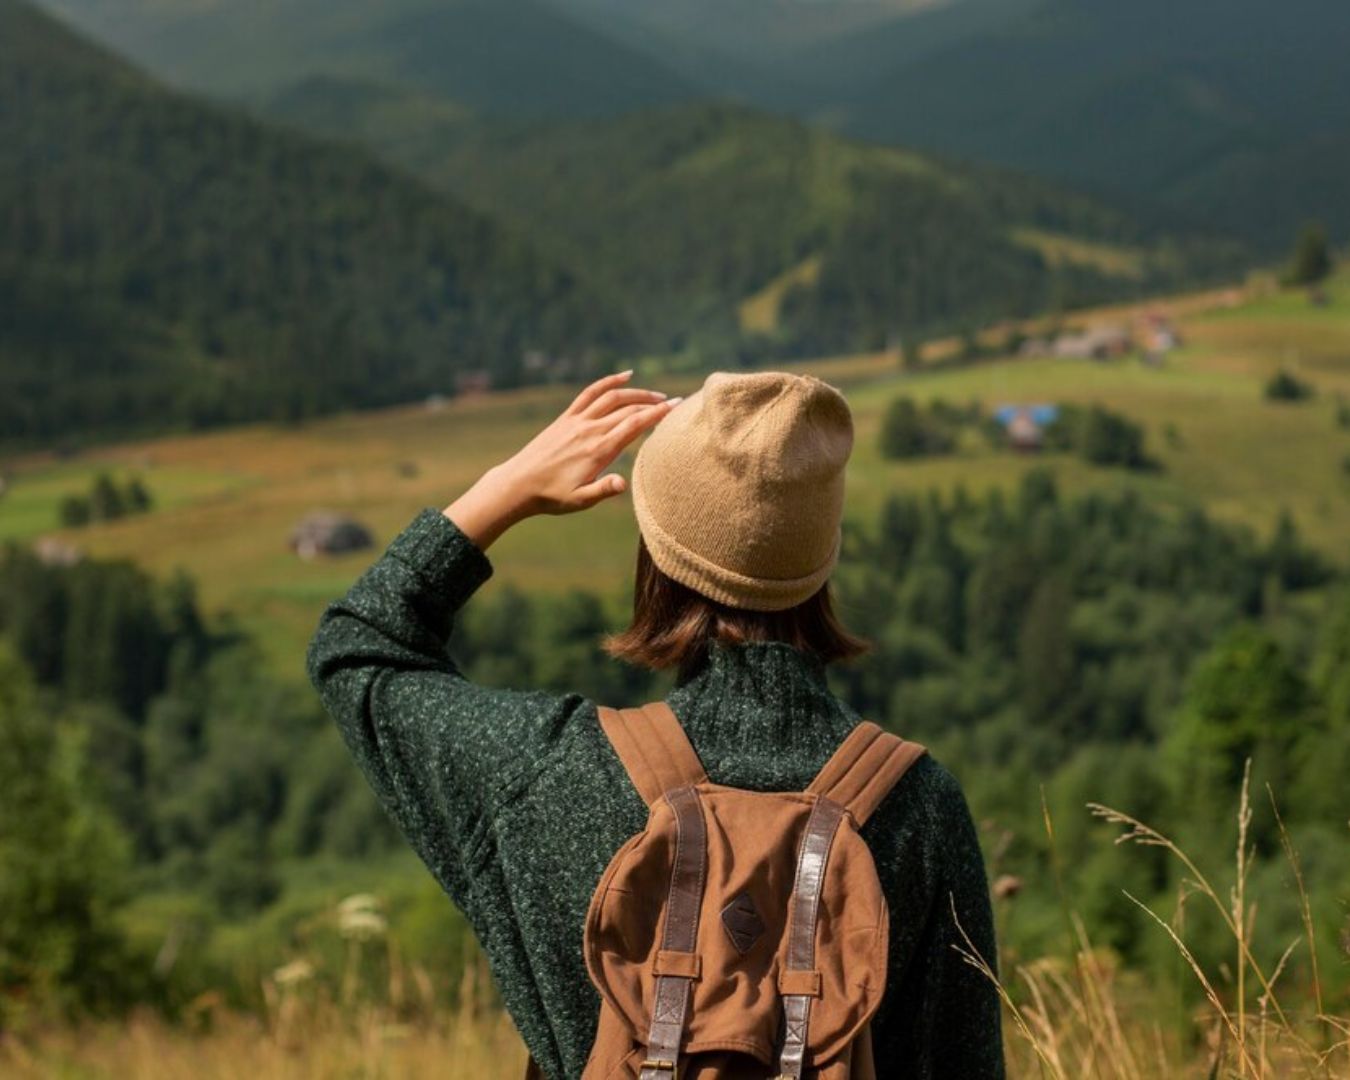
{"x":673,"y":625}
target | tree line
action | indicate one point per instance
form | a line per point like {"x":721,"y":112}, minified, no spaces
{"x":1093,"y":648}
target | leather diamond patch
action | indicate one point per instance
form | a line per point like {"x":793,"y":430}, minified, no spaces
{"x":742,"y":923}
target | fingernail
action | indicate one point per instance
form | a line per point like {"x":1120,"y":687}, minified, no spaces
{"x":616,"y":484}
{"x":625,"y":374}
{"x":672,"y":402}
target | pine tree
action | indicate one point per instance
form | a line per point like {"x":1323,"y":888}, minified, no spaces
{"x":1311,"y":261}
{"x":62,"y":863}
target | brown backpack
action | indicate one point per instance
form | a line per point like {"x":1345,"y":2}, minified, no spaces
{"x":741,"y":934}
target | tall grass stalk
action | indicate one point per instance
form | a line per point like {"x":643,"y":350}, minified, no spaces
{"x":1098,"y":1023}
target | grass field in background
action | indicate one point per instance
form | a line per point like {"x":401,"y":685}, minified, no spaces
{"x":372,"y":1009}
{"x":226,"y":501}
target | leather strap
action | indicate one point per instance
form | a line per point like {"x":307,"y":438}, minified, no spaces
{"x":812,"y":858}
{"x":670,"y":1005}
{"x":653,"y":748}
{"x":862,"y":772}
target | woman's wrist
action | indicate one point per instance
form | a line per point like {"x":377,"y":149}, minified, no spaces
{"x":496,"y":501}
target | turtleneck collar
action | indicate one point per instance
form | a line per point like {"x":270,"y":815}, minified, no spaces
{"x":747,"y":702}
{"x":762,"y":668}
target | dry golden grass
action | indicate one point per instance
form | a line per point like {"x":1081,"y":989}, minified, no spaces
{"x":329,"y":1047}
{"x":759,"y":313}
{"x":1066,"y":1018}
{"x":1084,"y":1018}
{"x":1061,"y":250}
{"x":304,"y":1035}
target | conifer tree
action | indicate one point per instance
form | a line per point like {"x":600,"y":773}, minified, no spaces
{"x":1311,"y":261}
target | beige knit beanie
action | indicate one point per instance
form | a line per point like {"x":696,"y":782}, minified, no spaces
{"x":739,"y":491}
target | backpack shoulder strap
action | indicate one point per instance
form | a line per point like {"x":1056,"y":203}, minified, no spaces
{"x":653,"y":748}
{"x":862,"y":772}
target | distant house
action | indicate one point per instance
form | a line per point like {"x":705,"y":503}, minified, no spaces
{"x":477,"y":381}
{"x":1096,"y":343}
{"x":1158,"y":337}
{"x":1024,"y":433}
{"x":536,"y":361}
{"x":53,"y":551}
{"x":1024,"y":425}
{"x":326,"y":533}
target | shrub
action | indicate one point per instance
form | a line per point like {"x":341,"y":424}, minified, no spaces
{"x":1311,"y":260}
{"x":909,"y":432}
{"x":1285,"y":386}
{"x":1100,"y":436}
{"x":106,"y":501}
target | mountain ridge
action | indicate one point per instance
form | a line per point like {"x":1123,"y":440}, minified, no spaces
{"x":1202,"y":108}
{"x":168,"y":261}
{"x":688,"y":211}
{"x":513,"y":55}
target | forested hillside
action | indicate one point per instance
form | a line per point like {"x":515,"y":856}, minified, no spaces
{"x":167,"y":262}
{"x":1228,"y":112}
{"x":797,"y":55}
{"x":506,"y":55}
{"x":1091,"y":647}
{"x":689,"y":212}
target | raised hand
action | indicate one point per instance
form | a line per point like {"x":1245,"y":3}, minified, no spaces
{"x":562,"y":469}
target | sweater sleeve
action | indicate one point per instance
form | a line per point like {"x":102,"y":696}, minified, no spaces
{"x":436,"y":748}
{"x":947,"y":1018}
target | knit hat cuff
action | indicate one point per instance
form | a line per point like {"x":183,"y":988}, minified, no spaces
{"x":718,"y":583}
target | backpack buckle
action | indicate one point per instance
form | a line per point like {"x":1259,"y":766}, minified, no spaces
{"x":657,"y":1065}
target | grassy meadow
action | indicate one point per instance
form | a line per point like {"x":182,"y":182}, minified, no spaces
{"x":225,"y":502}
{"x":1069,"y":1017}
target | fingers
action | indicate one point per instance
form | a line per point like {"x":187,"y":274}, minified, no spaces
{"x":612,"y":420}
{"x":635,"y":423}
{"x":638,"y":418}
{"x":618,"y":398}
{"x":587,"y":396}
{"x":605,"y":487}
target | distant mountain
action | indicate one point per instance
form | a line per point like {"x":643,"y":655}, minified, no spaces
{"x":1230,"y":115}
{"x":165,"y":262}
{"x":741,"y":48}
{"x":520,"y":56}
{"x":761,"y":30}
{"x":1233,"y":113}
{"x":802,"y":55}
{"x":829,"y":74}
{"x":715,"y":223}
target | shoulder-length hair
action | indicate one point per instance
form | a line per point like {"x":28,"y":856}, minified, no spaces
{"x":673,"y":626}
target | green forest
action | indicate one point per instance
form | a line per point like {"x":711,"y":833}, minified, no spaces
{"x":168,"y":263}
{"x":1092,"y":648}
{"x":1227,"y":113}
{"x":165,"y":262}
{"x":683,"y":213}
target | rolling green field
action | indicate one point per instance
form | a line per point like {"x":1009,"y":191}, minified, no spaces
{"x":225,"y":502}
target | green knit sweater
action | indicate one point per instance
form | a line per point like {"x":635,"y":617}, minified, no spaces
{"x":516,"y":803}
